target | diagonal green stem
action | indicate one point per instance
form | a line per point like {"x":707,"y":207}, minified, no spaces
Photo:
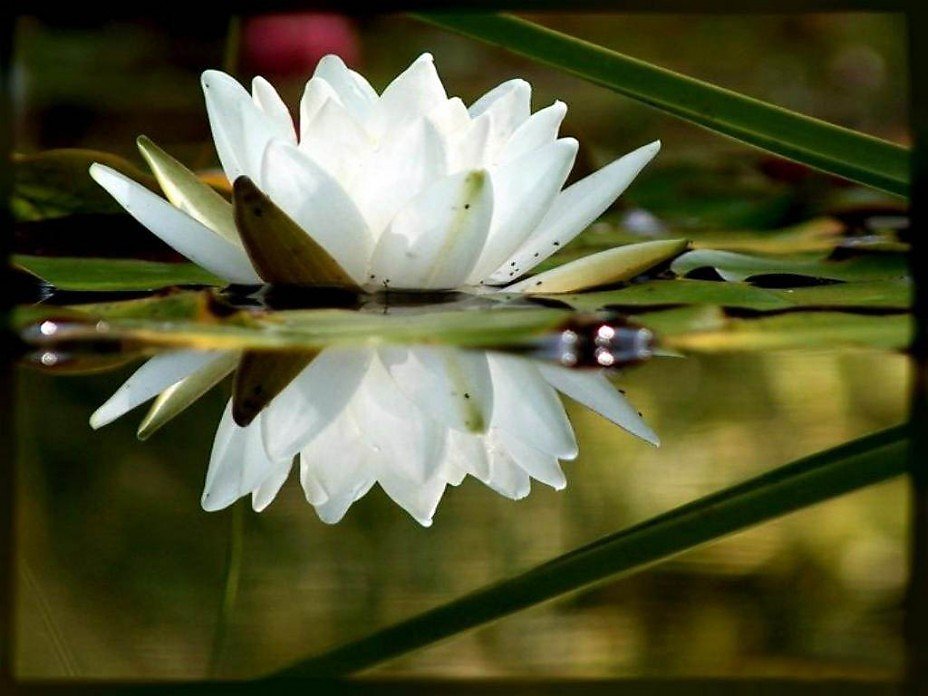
{"x":792,"y":487}
{"x":819,"y":144}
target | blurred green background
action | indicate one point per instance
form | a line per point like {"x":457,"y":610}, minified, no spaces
{"x":121,"y":572}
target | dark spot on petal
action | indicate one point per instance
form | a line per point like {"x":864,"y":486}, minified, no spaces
{"x":467,"y":206}
{"x":466,"y":395}
{"x":557,"y":244}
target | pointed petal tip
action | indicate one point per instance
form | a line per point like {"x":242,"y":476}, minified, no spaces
{"x":98,"y":420}
{"x":213,"y":505}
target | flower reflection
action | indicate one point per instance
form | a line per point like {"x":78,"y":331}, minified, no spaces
{"x":411,"y":419}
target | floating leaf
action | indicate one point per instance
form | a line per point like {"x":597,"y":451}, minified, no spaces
{"x":189,"y":193}
{"x":679,"y":291}
{"x":887,"y":294}
{"x":113,"y":274}
{"x":605,"y":268}
{"x":733,"y":266}
{"x":55,"y":183}
{"x":822,"y":145}
{"x":176,"y":398}
{"x":260,"y":377}
{"x":281,"y":251}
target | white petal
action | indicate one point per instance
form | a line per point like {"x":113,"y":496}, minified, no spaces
{"x":508,"y":106}
{"x":152,"y":378}
{"x":318,"y":204}
{"x":238,"y":463}
{"x":336,"y":141}
{"x":354,"y":92}
{"x":470,"y":150}
{"x":506,"y":477}
{"x":268,"y":100}
{"x":413,"y":94}
{"x":539,"y":130}
{"x":434,"y":241}
{"x":418,"y":499}
{"x":264,"y":495}
{"x":527,"y":407}
{"x":313,"y":400}
{"x":595,"y":391}
{"x":241,"y":130}
{"x":395,"y":429}
{"x":397,"y":172}
{"x":523,"y":191}
{"x":450,"y":385}
{"x":316,"y":94}
{"x":537,"y":464}
{"x":465,"y":453}
{"x":192,"y":239}
{"x":450,"y":117}
{"x":575,"y":209}
{"x":336,"y":469}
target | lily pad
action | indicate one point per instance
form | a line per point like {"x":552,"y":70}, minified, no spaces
{"x":67,"y":273}
{"x":734,"y":266}
{"x":55,"y":183}
{"x":886,"y":294}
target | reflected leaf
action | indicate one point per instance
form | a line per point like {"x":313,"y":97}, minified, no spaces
{"x":799,"y":330}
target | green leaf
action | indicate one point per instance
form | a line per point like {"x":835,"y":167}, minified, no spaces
{"x":733,"y":266}
{"x":822,"y":145}
{"x":811,"y":480}
{"x":885,"y":294}
{"x":55,"y":183}
{"x":604,"y":268}
{"x":113,"y":274}
{"x":678,"y":291}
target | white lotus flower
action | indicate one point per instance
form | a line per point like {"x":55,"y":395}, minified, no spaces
{"x":406,"y":189}
{"x":411,"y":419}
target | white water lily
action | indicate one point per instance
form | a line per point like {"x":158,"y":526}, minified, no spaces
{"x":407,"y":189}
{"x":411,"y":419}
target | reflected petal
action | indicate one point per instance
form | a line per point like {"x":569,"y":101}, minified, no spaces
{"x":527,"y":407}
{"x":595,"y":391}
{"x":152,"y":378}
